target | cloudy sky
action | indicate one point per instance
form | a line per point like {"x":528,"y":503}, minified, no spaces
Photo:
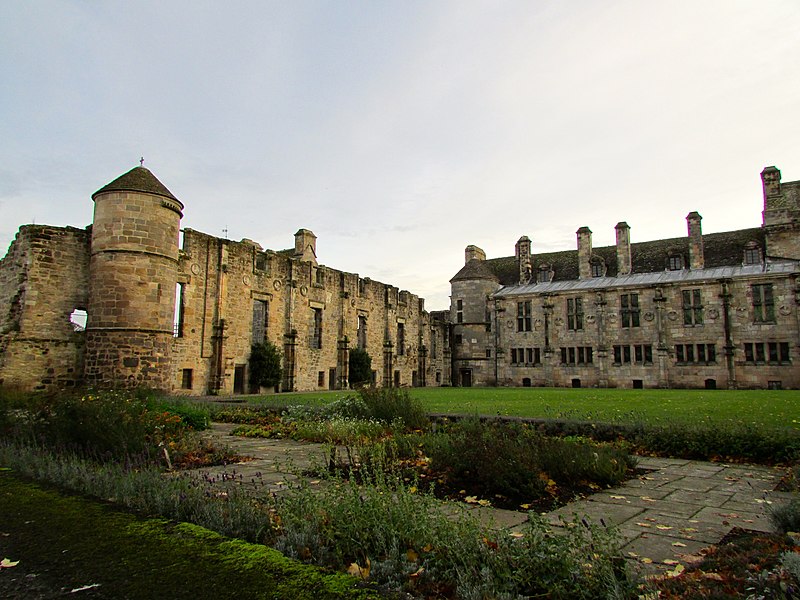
{"x":402,"y":131}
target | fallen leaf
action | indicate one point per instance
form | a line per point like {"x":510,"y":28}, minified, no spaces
{"x":418,"y":572}
{"x":7,"y":563}
{"x":714,"y":576}
{"x":516,"y":534}
{"x":618,"y":497}
{"x":644,"y":525}
{"x":484,"y":503}
{"x":411,"y":555}
{"x":358,"y":571}
{"x":663,"y":527}
{"x":471,"y":499}
{"x":646,"y":560}
{"x":669,"y":561}
{"x":675,"y":572}
{"x":633,"y":555}
{"x":647,"y":499}
{"x":679,"y":544}
{"x":524,"y":506}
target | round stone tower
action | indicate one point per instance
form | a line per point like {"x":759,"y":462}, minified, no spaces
{"x":132,"y":281}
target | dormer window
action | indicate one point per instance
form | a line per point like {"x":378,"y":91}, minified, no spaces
{"x":752,"y":254}
{"x":675,"y":262}
{"x":598,"y":267}
{"x":545,"y":274}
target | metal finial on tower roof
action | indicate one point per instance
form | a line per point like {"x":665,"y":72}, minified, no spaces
{"x":225,"y":232}
{"x":141,"y":161}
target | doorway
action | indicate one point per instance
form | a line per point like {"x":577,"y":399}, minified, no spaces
{"x":238,"y":379}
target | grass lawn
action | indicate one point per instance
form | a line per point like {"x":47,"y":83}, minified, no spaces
{"x":771,"y":408}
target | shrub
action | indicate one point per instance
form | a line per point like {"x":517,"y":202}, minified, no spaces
{"x":246,"y":415}
{"x":515,"y":461}
{"x":360,"y":367}
{"x":403,"y":540}
{"x":265,"y":365}
{"x":391,"y":404}
{"x":786,"y":517}
{"x":192,"y":414}
{"x":350,"y":407}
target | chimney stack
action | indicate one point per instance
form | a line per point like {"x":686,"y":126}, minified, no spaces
{"x":523,"y":253}
{"x":623,"y":248}
{"x":473,"y":252}
{"x":305,"y":245}
{"x":696,"y":258}
{"x":584,"y":252}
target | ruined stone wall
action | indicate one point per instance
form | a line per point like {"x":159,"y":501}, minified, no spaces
{"x":222,"y":280}
{"x":43,"y":279}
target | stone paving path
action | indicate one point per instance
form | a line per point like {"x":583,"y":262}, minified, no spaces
{"x":674,"y":510}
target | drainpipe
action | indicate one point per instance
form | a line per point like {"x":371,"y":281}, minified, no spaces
{"x":729,"y":347}
{"x":496,"y":341}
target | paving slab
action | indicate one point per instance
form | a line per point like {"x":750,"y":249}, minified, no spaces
{"x":674,"y":509}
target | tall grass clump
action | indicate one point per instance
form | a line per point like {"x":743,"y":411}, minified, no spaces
{"x":392,"y":404}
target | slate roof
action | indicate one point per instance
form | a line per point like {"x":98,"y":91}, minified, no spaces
{"x":724,"y":249}
{"x":651,"y":279}
{"x":138,"y":179}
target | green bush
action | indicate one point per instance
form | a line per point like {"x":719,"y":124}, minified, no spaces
{"x":246,"y":415}
{"x":265,"y":366}
{"x":360,"y":367}
{"x":192,"y":414}
{"x":108,"y":426}
{"x":786,"y":517}
{"x":705,"y":439}
{"x":390,"y":404}
{"x":350,"y":407}
{"x":516,"y":461}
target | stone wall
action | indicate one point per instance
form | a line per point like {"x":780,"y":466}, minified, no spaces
{"x":475,"y":351}
{"x":43,"y":279}
{"x":223,"y":279}
{"x":133,"y":272}
{"x":662,"y":330}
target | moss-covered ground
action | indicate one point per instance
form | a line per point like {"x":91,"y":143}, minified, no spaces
{"x":65,"y":543}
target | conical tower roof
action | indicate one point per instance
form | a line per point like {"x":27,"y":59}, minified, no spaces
{"x":138,"y":179}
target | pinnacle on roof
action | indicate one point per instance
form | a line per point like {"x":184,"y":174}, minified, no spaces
{"x":138,"y":179}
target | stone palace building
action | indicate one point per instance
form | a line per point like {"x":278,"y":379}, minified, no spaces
{"x":179,"y":310}
{"x":717,"y":310}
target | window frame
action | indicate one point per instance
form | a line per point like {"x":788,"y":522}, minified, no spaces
{"x":763,"y":302}
{"x":524,"y":315}
{"x":629,"y":310}
{"x":575,"y":313}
